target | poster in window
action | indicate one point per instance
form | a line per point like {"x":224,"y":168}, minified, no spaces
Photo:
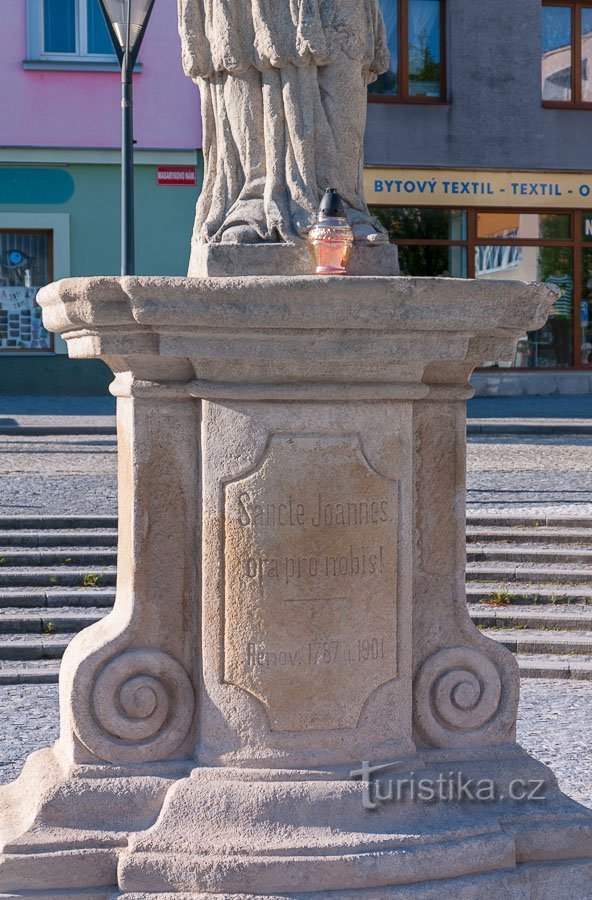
{"x":20,"y":320}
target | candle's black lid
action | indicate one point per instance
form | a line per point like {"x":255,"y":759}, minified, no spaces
{"x":332,"y":205}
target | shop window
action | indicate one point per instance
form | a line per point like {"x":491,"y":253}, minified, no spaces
{"x":431,"y":242}
{"x":508,"y":245}
{"x":552,"y":345}
{"x":25,"y":266}
{"x":586,"y":301}
{"x":525,"y":226}
{"x":68,"y":31}
{"x":566,"y":60}
{"x":416,"y":39}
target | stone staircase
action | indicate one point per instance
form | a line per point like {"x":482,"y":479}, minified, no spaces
{"x":529,"y":586}
{"x":57,"y":575}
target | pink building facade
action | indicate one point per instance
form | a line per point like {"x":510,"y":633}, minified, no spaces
{"x":79,"y":105}
{"x":60,"y":174}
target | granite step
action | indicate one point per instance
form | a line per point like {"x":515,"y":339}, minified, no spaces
{"x":554,"y":667}
{"x":62,"y":556}
{"x":504,"y":520}
{"x":32,"y":646}
{"x":499,"y":594}
{"x":537,"y":641}
{"x":66,"y":522}
{"x":35,"y":671}
{"x":505,"y":574}
{"x":578,"y":618}
{"x":56,"y":598}
{"x":57,"y":576}
{"x":59,"y":538}
{"x":50,"y":621}
{"x":524,"y":554}
{"x":524,"y":535}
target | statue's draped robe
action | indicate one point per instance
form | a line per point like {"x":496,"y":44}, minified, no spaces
{"x":283,"y":85}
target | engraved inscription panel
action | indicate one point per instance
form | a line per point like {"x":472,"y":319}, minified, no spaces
{"x":310,"y":581}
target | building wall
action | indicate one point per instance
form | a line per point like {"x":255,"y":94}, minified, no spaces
{"x":82,"y":109}
{"x":86,"y":241}
{"x":95,"y":223}
{"x":495,"y":118}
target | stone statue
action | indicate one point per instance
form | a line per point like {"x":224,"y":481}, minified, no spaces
{"x":283,"y":86}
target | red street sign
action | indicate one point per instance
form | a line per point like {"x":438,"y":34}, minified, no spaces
{"x":171,"y":175}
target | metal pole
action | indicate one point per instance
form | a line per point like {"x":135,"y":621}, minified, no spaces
{"x":128,"y":254}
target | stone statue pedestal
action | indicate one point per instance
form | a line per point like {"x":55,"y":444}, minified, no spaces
{"x":225,"y":260}
{"x":291,"y":611}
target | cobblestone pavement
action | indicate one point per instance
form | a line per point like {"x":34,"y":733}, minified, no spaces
{"x":529,"y":475}
{"x":517,"y":474}
{"x":555,"y":725}
{"x":33,"y":470}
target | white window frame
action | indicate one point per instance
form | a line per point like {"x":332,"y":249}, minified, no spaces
{"x":59,"y":224}
{"x":35,"y":37}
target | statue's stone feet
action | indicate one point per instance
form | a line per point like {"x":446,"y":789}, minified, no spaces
{"x":240,"y":234}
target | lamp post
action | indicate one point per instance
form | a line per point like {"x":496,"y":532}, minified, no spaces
{"x":126,"y":22}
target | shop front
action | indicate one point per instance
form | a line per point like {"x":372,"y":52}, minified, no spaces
{"x":528,"y":226}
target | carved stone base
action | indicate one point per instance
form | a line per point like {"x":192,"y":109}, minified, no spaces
{"x":540,"y":880}
{"x":62,"y":827}
{"x":302,"y":835}
{"x":213,"y":260}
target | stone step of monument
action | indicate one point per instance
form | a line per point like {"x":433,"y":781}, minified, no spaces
{"x":61,"y":556}
{"x":547,"y":535}
{"x":50,"y":621}
{"x":34,"y":671}
{"x":546,"y":554}
{"x":554,"y":667}
{"x":32,"y":646}
{"x":532,"y":640}
{"x":58,"y":538}
{"x":503,"y":520}
{"x":58,"y":576}
{"x":66,"y":522}
{"x":55,"y":598}
{"x":505,"y":574}
{"x":578,"y":618}
{"x":497,"y":594}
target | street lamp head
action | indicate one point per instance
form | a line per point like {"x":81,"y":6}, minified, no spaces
{"x":126,"y":21}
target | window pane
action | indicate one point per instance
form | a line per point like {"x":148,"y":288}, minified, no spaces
{"x":98,"y":36}
{"x":587,"y":55}
{"x":515,"y":225}
{"x":557,"y":53}
{"x":551,"y":345}
{"x":59,"y":26}
{"x":389,"y":82}
{"x":425,"y":71}
{"x":419,"y":223}
{"x":433,"y":261}
{"x":586,"y":310}
{"x":24,"y":268}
